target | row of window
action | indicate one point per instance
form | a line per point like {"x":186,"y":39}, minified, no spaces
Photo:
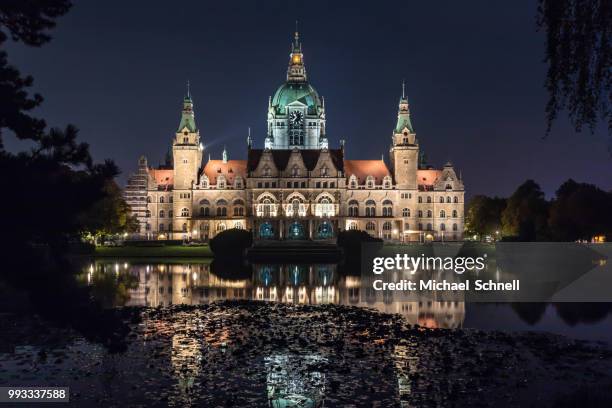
{"x":296,"y":184}
{"x":387,"y":226}
{"x":220,"y":227}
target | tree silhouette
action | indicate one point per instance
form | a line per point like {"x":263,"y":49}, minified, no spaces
{"x":579,"y":57}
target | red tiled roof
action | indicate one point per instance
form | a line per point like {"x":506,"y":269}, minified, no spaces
{"x":231,"y":169}
{"x":163,"y":177}
{"x":427,"y":177}
{"x":364,"y":168}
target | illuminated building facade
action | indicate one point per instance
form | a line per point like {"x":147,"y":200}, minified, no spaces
{"x":297,"y":187}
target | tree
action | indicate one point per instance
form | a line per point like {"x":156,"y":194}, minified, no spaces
{"x":526,"y":213}
{"x":579,"y":56}
{"x":26,"y":21}
{"x":484,"y":215}
{"x":109,"y":215}
{"x":580,"y":211}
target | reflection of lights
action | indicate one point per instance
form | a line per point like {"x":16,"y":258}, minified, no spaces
{"x":147,"y":268}
{"x":117,"y":268}
{"x":194,"y":276}
{"x":125,"y":265}
{"x":395,"y":231}
{"x":91,"y":268}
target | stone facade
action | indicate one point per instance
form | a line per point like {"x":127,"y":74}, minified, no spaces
{"x":297,"y":187}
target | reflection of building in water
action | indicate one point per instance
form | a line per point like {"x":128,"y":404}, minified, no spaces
{"x":194,"y":284}
{"x":294,"y":380}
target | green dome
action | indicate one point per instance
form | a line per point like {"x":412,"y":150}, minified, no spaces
{"x":296,"y":91}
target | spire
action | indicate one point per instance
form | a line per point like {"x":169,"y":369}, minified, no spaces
{"x":403,"y":114}
{"x":249,"y":140}
{"x":296,"y":71}
{"x":187,"y":115}
{"x":224,"y":155}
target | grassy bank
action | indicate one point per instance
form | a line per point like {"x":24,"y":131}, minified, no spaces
{"x":159,"y":251}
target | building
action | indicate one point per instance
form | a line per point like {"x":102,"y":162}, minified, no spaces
{"x":297,"y":187}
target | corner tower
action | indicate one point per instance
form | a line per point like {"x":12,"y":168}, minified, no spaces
{"x":296,"y":114}
{"x":186,"y":148}
{"x":404,"y":152}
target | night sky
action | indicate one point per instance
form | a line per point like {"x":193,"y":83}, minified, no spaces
{"x":474,"y":76}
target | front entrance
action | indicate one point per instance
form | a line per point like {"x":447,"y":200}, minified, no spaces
{"x":296,"y":231}
{"x":325,"y":230}
{"x":266,"y":231}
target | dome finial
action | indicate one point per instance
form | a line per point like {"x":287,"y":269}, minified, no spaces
{"x":224,"y":154}
{"x":188,"y":91}
{"x":403,"y":89}
{"x":297,"y":33}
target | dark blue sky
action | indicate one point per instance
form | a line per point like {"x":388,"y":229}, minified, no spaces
{"x":473,"y":71}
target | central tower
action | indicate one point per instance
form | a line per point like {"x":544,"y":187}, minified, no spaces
{"x":296,"y":113}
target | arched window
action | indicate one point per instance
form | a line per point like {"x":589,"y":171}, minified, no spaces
{"x":147,"y":213}
{"x":353,"y":209}
{"x":170,"y":213}
{"x":420,"y":213}
{"x":238,"y":207}
{"x":162,"y":227}
{"x":148,"y":199}
{"x":220,"y":227}
{"x":370,"y":208}
{"x":420,"y":226}
{"x":204,"y":211}
{"x":442,"y":227}
{"x":456,"y":200}
{"x":387,"y":208}
{"x":405,"y":212}
{"x":325,"y":208}
{"x":204,"y":182}
{"x":353,"y":182}
{"x":162,"y":213}
{"x":370,"y":226}
{"x":449,"y":187}
{"x":454,"y":213}
{"x":352,"y":226}
{"x":454,"y":227}
{"x":266,"y":208}
{"x":184,"y":227}
{"x":428,"y":226}
{"x":161,"y":199}
{"x":184,"y":212}
{"x":441,"y":200}
{"x":387,"y":226}
{"x":448,"y":199}
{"x":294,"y":209}
{"x":428,"y":213}
{"x":428,"y":199}
{"x":442,"y":213}
{"x":171,"y":199}
{"x":420,"y":199}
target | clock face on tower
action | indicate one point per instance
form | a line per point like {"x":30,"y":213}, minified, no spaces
{"x":296,"y":118}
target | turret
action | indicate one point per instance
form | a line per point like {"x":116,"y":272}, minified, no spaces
{"x":404,"y":152}
{"x":186,"y":148}
{"x":296,"y":72}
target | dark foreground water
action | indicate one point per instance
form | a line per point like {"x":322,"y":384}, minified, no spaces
{"x":307,"y":336}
